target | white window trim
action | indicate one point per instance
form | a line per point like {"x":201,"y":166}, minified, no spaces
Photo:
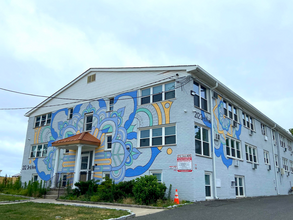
{"x":152,"y":172}
{"x":276,"y":160}
{"x":110,"y":106}
{"x":33,"y":177}
{"x":291,"y":166}
{"x":70,"y":113}
{"x":263,"y":129}
{"x":266,"y":157}
{"x":282,"y":141}
{"x":106,"y":141}
{"x":256,"y":153}
{"x":151,"y":135}
{"x":230,"y":147}
{"x":104,"y":175}
{"x":91,"y":78}
{"x":232,"y":112}
{"x":200,"y":97}
{"x":243,"y":183}
{"x":85,"y":117}
{"x":36,"y":151}
{"x":47,"y":120}
{"x":251,"y":121}
{"x":285,"y":164}
{"x":211,"y":185}
{"x":163,"y":93}
{"x":201,"y":141}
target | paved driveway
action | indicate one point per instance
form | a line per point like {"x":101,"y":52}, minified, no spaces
{"x":267,"y":208}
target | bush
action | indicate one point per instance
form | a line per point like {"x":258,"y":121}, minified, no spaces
{"x":83,"y":187}
{"x":147,"y":190}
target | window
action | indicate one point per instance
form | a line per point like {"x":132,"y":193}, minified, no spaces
{"x":239,"y":186}
{"x":158,"y":136}
{"x":291,"y":166}
{"x":251,"y":153}
{"x":158,"y":174}
{"x":233,"y":148}
{"x":43,"y":120}
{"x":88,"y":122}
{"x":200,"y":96}
{"x":106,"y":175}
{"x":66,"y":151}
{"x":285,"y":164}
{"x":230,"y":111}
{"x":208,"y":185}
{"x":108,"y":143}
{"x":247,"y":121}
{"x":276,"y":160}
{"x":35,"y":177}
{"x":70,"y":113}
{"x":64,"y":180}
{"x":39,"y":150}
{"x":282,"y":141}
{"x":289,"y":145}
{"x":263,"y":129}
{"x":91,"y":78}
{"x":111,"y":104}
{"x":202,"y":145}
{"x":158,"y":93}
{"x":266,"y":156}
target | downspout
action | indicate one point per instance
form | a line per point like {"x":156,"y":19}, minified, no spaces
{"x":213,"y":150}
{"x":274,"y":160}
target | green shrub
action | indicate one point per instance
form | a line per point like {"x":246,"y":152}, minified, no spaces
{"x":95,"y":198}
{"x":147,"y":190}
{"x":83,"y":187}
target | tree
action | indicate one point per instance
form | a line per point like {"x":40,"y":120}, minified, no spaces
{"x":291,"y":130}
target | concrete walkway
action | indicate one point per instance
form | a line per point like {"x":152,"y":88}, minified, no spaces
{"x":136,"y":210}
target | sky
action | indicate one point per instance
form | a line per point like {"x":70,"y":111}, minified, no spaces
{"x":247,"y":45}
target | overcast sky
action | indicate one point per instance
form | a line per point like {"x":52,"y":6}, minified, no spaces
{"x":247,"y":45}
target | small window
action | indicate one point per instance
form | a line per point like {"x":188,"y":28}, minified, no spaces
{"x":111,"y":104}
{"x":88,"y":122}
{"x":239,"y":186}
{"x":248,"y":121}
{"x":70,"y":113}
{"x":43,"y":120}
{"x":200,"y":96}
{"x":202,"y":145}
{"x":263,"y":129}
{"x":276,"y":160}
{"x":108,"y":141}
{"x":266,"y":157}
{"x":35,"y":177}
{"x":251,"y":153}
{"x":157,"y":174}
{"x":91,"y":78}
{"x":208,"y":185}
{"x":233,"y":148}
{"x":106,"y":175}
{"x":285,"y":164}
{"x":158,"y":136}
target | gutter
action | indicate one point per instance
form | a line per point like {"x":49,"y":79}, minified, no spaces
{"x":274,"y":160}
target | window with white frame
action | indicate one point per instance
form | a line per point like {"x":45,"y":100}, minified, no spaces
{"x":274,"y":138}
{"x":208,"y":185}
{"x":88,"y":122}
{"x":200,"y":96}
{"x":239,"y":186}
{"x":289,"y":145}
{"x":39,"y":150}
{"x":91,"y":78}
{"x":233,"y":148}
{"x":291,"y":166}
{"x":251,"y":153}
{"x":276,"y":160}
{"x":263,"y":129}
{"x":282,"y":141}
{"x":43,"y":120}
{"x":158,"y":93}
{"x":106,"y":175}
{"x":285,"y":164}
{"x":35,"y":177}
{"x":202,"y":141}
{"x":230,"y":111}
{"x":158,"y":136}
{"x":111,"y":104}
{"x":266,"y":156}
{"x":108,"y":143}
{"x":70,"y":113}
{"x":247,"y":121}
{"x":158,"y":174}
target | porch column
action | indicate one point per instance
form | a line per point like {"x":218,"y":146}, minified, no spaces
{"x":93,"y":164}
{"x":77,"y":165}
{"x":53,"y":184}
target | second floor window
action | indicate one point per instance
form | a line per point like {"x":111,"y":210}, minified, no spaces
{"x":230,"y":111}
{"x":266,"y":156}
{"x":202,"y":141}
{"x":39,"y":150}
{"x":247,"y":121}
{"x":200,"y":96}
{"x":158,"y":93}
{"x":43,"y":120}
{"x":251,"y":153}
{"x":70,"y":113}
{"x":233,"y":148}
{"x":285,"y":164}
{"x":263,"y":129}
{"x":276,"y":160}
{"x":88,"y":122}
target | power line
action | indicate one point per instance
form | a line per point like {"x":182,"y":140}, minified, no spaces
{"x":183,"y":83}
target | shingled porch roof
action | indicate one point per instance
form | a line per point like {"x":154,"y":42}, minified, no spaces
{"x":83,"y":138}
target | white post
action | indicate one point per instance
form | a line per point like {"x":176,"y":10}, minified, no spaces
{"x":53,"y":185}
{"x":77,"y":165}
{"x":93,"y":163}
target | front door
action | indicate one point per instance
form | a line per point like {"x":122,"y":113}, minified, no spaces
{"x":84,"y":167}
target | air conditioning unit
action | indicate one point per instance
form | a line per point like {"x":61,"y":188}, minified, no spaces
{"x":282,"y":171}
{"x":254,"y":166}
{"x":266,"y":138}
{"x":217,"y":137}
{"x":193,"y":93}
{"x":235,"y":124}
{"x":269,"y":167}
{"x":215,"y":95}
{"x":250,"y":132}
{"x":236,"y":163}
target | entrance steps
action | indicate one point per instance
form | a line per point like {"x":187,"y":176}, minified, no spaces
{"x":53,"y":193}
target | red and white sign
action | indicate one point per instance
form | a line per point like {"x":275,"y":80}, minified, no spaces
{"x":184,"y":163}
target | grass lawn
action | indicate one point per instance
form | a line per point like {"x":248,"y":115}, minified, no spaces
{"x":11,"y":198}
{"x":30,"y":210}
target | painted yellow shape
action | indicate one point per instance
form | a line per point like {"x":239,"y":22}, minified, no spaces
{"x":99,"y":151}
{"x":78,"y":132}
{"x":159,"y":113}
{"x":160,"y":147}
{"x":169,"y":151}
{"x":37,"y":133}
{"x":68,"y":164}
{"x":107,"y":161}
{"x":96,"y":132}
{"x":167,"y":106}
{"x":30,"y":162}
{"x":98,"y":176}
{"x":214,"y":109}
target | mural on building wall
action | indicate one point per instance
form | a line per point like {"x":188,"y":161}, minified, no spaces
{"x":123,"y":123}
{"x":223,"y":126}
